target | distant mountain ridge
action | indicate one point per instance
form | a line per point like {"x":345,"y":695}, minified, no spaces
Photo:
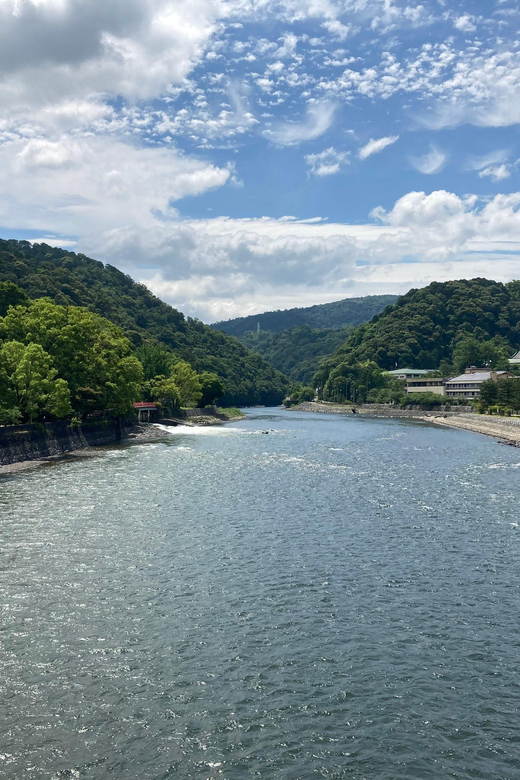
{"x":335,"y":315}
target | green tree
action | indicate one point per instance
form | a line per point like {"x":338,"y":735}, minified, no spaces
{"x":164,"y":390}
{"x":188,"y":383}
{"x":488,"y":393}
{"x":508,"y":393}
{"x":11,"y":295}
{"x":155,"y":358}
{"x":30,"y":384}
{"x":212,"y":388}
{"x":88,"y":352}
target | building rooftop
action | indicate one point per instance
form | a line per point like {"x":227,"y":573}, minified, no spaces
{"x":410,"y":371}
{"x":145,"y":405}
{"x":477,"y":376}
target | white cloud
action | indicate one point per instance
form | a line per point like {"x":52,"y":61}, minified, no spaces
{"x":77,"y":185}
{"x":225,"y":267}
{"x":496,"y":172}
{"x":319,"y":118}
{"x":465,"y":23}
{"x":327,"y":162}
{"x":337,"y":29}
{"x":431,"y":162}
{"x":494,"y":165}
{"x":57,"y":50}
{"x":376,"y":145}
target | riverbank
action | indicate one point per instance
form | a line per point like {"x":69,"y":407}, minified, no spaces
{"x":505,"y":429}
{"x":27,"y":447}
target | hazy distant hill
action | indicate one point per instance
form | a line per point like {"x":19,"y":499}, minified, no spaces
{"x":76,"y":280}
{"x":350,"y":311}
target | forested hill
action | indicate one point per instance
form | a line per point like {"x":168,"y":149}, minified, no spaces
{"x":296,"y":352}
{"x":74,"y":279}
{"x":350,"y":311}
{"x":458,"y":323}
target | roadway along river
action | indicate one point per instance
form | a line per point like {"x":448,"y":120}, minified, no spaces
{"x":337,"y":599}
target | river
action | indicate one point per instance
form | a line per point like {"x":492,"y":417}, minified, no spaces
{"x":336,"y":599}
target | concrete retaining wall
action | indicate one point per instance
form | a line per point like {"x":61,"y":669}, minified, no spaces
{"x":32,"y":442}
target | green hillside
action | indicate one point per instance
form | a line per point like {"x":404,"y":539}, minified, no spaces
{"x":71,"y":279}
{"x":296,"y":352}
{"x":350,"y":311}
{"x":449,"y":325}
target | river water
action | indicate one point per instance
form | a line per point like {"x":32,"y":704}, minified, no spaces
{"x":336,"y":599}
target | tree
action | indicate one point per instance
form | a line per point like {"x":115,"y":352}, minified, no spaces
{"x":188,"y":383}
{"x":508,"y":393}
{"x":155,"y":358}
{"x":164,"y":390}
{"x":212,"y":388}
{"x":11,"y":295}
{"x":30,"y":384}
{"x":488,"y":393}
{"x":88,"y":352}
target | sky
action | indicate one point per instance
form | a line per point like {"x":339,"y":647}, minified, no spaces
{"x":239,"y":156}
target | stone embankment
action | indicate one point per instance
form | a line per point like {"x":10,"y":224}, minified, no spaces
{"x":23,"y":445}
{"x":51,"y":440}
{"x":381,"y":410}
{"x":505,"y":429}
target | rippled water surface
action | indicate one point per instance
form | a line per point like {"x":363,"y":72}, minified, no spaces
{"x":337,"y":599}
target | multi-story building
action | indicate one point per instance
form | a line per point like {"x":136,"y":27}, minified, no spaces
{"x":426,"y":385}
{"x":468,"y":385}
{"x":408,"y":373}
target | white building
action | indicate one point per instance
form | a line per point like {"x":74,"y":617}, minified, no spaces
{"x":515,"y":360}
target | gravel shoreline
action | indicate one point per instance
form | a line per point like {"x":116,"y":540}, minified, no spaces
{"x":505,"y":429}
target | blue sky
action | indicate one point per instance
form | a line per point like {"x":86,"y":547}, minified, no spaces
{"x":244,"y":155}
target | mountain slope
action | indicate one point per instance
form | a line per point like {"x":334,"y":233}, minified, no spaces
{"x":74,"y":279}
{"x":460,"y":323}
{"x":350,"y":311}
{"x":296,"y":352}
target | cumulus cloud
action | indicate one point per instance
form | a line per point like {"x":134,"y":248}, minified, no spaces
{"x":221,"y":268}
{"x":327,"y":162}
{"x":431,"y":162}
{"x":376,"y":145}
{"x":465,"y":23}
{"x":56,"y":50}
{"x":76,"y":185}
{"x":320,"y":116}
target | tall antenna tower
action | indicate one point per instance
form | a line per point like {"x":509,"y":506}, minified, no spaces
{"x":258,"y":327}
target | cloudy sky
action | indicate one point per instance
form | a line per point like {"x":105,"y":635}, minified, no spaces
{"x":245,"y":155}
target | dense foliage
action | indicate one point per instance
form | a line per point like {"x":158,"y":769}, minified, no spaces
{"x":71,"y":279}
{"x":448,"y":325}
{"x":503,"y":396}
{"x":296,"y":352}
{"x":59,"y":360}
{"x":350,"y":311}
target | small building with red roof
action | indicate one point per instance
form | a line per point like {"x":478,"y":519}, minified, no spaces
{"x":147,"y":411}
